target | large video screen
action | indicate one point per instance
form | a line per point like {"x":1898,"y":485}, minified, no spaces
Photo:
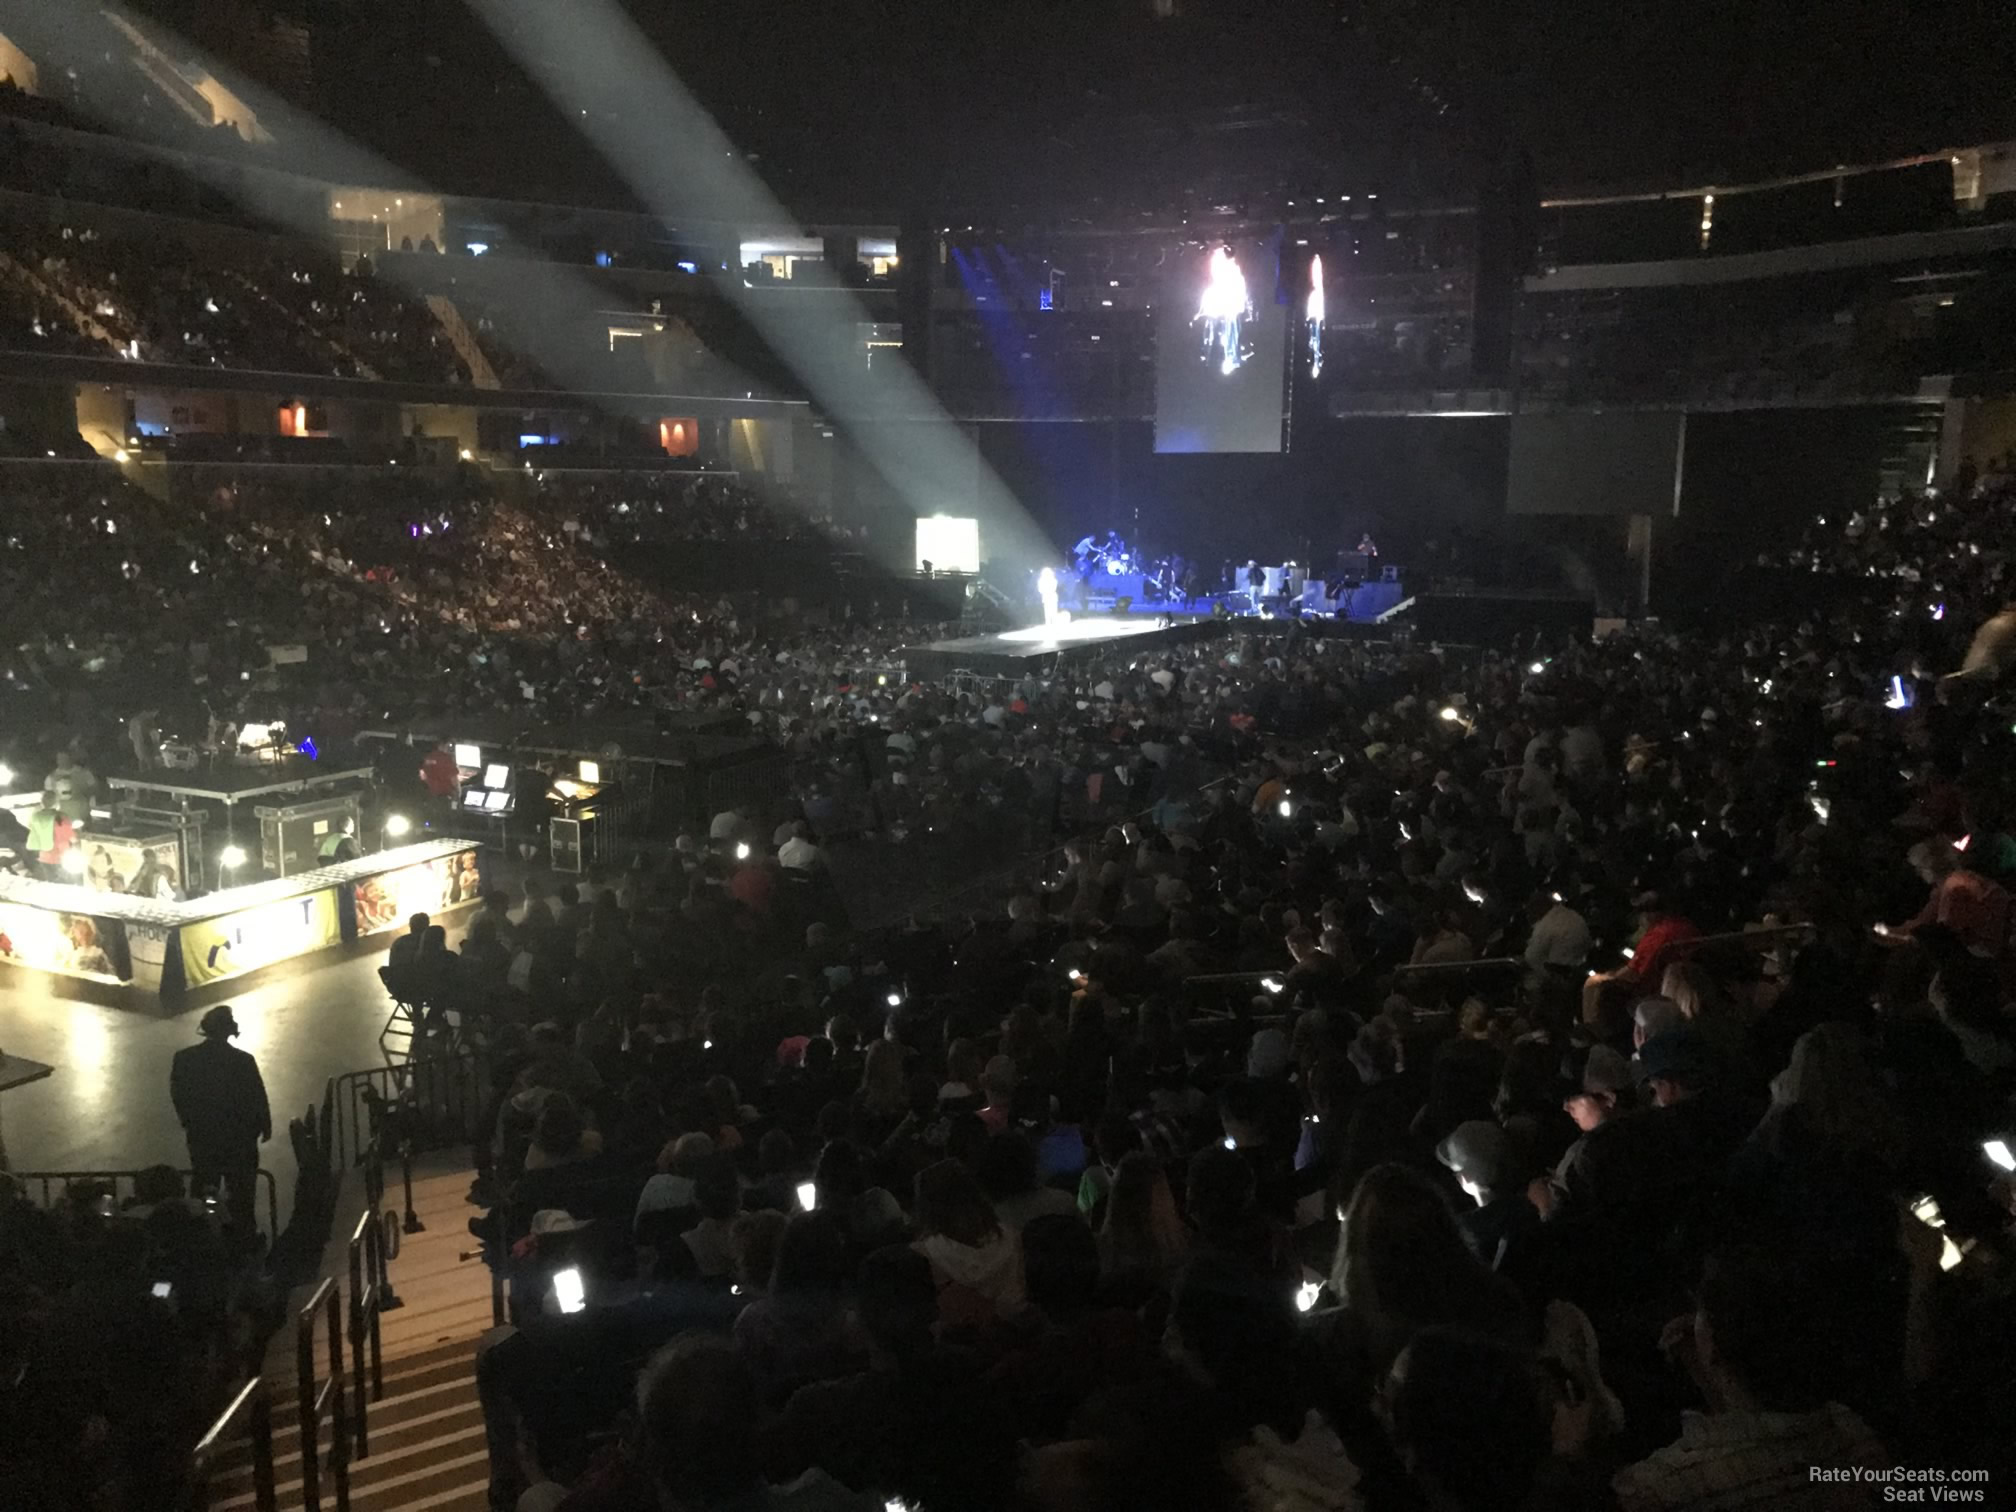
{"x":1220,"y":356}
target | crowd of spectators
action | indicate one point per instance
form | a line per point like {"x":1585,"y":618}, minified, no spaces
{"x":126,"y":1319}
{"x":1568,"y":1075}
{"x":637,"y":508}
{"x":269,"y":306}
{"x":413,"y":595}
{"x":1561,"y":1074}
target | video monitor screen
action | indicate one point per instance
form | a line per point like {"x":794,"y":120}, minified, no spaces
{"x":469,"y":756}
{"x":949,"y":543}
{"x":473,"y":799}
{"x":497,"y":775}
{"x":1220,"y":351}
{"x":497,"y":802}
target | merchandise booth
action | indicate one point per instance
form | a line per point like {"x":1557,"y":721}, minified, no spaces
{"x":158,"y":950}
{"x":221,"y":909}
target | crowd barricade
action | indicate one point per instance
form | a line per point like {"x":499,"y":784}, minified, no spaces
{"x":51,"y":1186}
{"x":435,"y":1099}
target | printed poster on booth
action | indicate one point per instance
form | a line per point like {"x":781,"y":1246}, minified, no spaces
{"x":387,"y":901}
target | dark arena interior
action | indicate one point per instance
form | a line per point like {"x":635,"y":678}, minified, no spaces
{"x":1132,"y":756}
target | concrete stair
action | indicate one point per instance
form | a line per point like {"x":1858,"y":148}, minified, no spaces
{"x":32,"y":280}
{"x":425,"y":1435}
{"x":309,"y":335}
{"x":482,"y":374}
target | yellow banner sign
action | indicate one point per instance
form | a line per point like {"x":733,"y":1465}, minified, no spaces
{"x":254,"y":937}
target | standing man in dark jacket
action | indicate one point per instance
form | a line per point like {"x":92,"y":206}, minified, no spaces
{"x":221,"y":1101}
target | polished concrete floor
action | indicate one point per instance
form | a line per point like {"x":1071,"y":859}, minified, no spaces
{"x":106,"y":1107}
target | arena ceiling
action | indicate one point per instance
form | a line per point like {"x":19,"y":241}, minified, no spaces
{"x":1036,"y":112}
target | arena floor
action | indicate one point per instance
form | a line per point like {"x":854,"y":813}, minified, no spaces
{"x":106,"y":1107}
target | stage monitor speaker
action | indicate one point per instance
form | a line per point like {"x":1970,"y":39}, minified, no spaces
{"x":1493,"y":619}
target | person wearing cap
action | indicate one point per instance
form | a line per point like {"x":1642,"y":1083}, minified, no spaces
{"x":1697,"y":1120}
{"x":220,"y":1100}
{"x":1487,"y":1168}
{"x":1672,"y":1062}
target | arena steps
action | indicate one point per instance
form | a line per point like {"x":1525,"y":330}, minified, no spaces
{"x":31,"y":279}
{"x":481,"y":374}
{"x":426,"y":1446}
{"x":315,"y":340}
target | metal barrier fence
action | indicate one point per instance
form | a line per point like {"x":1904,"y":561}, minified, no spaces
{"x":46,"y":1180}
{"x":435,"y":1100}
{"x":327,"y":1303}
{"x":253,"y":1406}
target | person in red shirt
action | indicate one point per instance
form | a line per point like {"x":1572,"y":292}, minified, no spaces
{"x":439,"y":773}
{"x":752,"y":885}
{"x":1667,"y":936}
{"x":1974,"y":907}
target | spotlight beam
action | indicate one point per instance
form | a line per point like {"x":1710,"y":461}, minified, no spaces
{"x":610,"y":82}
{"x":564,"y":299}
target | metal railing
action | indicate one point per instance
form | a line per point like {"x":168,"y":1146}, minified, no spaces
{"x":253,"y":1407}
{"x":435,"y":1099}
{"x":46,"y":1183}
{"x":315,"y":1397}
{"x":366,"y":1262}
{"x":1485,"y":963}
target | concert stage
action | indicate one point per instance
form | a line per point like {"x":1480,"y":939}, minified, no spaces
{"x":1038,"y":648}
{"x":1130,"y":594}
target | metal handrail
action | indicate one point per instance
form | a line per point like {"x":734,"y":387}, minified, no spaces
{"x":495,"y":1254}
{"x":314,"y":1398}
{"x":71,"y":1178}
{"x":365,"y":1263}
{"x":255,"y":1404}
{"x":325,"y":1129}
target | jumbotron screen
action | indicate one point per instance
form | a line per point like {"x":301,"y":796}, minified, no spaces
{"x":1219,"y":351}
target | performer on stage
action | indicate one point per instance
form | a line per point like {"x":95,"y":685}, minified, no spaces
{"x":1256,"y":582}
{"x":1371,"y":551}
{"x":1046,"y":590}
{"x":1115,"y":552}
